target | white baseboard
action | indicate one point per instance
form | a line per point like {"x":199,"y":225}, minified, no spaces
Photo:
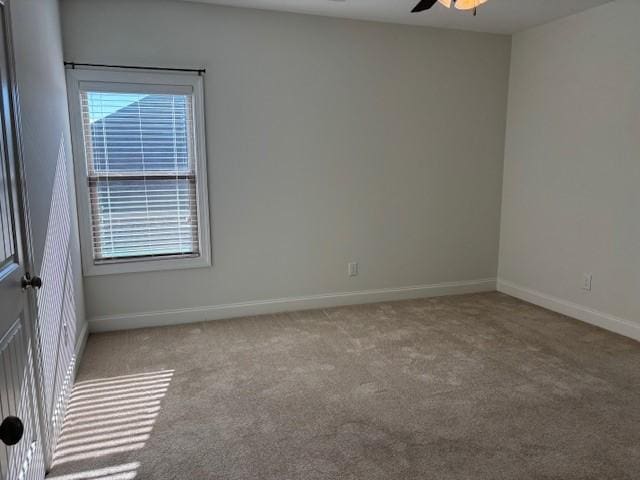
{"x":81,"y":343}
{"x":216,"y":312}
{"x":603,"y":320}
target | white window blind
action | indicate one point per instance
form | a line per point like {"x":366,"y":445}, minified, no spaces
{"x":141,"y":172}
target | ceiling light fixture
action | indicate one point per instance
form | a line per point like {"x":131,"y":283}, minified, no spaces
{"x":459,"y":4}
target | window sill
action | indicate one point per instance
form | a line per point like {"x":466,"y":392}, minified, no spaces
{"x":145,"y":265}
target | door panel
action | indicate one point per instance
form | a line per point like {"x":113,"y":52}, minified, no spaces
{"x":20,"y":446}
{"x":7,"y":247}
{"x":23,"y":460}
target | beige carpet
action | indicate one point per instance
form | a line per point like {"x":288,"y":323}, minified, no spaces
{"x":468,"y":387}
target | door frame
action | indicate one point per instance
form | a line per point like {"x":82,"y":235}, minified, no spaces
{"x":22,"y":209}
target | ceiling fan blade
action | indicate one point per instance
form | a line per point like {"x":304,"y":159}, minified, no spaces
{"x":423,"y":5}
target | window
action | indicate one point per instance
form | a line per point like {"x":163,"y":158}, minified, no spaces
{"x":140,"y":170}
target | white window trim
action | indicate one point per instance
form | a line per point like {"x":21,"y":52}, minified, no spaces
{"x":169,"y":82}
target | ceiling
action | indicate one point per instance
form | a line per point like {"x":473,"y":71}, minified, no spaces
{"x":497,"y":16}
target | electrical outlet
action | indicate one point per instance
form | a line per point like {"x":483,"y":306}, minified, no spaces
{"x":352,"y":269}
{"x":586,"y":282}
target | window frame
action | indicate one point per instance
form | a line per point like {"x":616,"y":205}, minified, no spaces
{"x":123,"y":80}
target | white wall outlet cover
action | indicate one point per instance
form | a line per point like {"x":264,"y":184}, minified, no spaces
{"x":353,"y":269}
{"x":586,"y":282}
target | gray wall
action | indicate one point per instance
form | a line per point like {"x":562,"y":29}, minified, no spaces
{"x":329,"y":141}
{"x":49,"y":177}
{"x":571,"y":201}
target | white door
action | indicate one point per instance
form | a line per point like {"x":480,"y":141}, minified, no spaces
{"x":20,"y":446}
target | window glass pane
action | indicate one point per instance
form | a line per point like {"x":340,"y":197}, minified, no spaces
{"x":135,"y":132}
{"x":145,"y":217}
{"x":141,"y":174}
